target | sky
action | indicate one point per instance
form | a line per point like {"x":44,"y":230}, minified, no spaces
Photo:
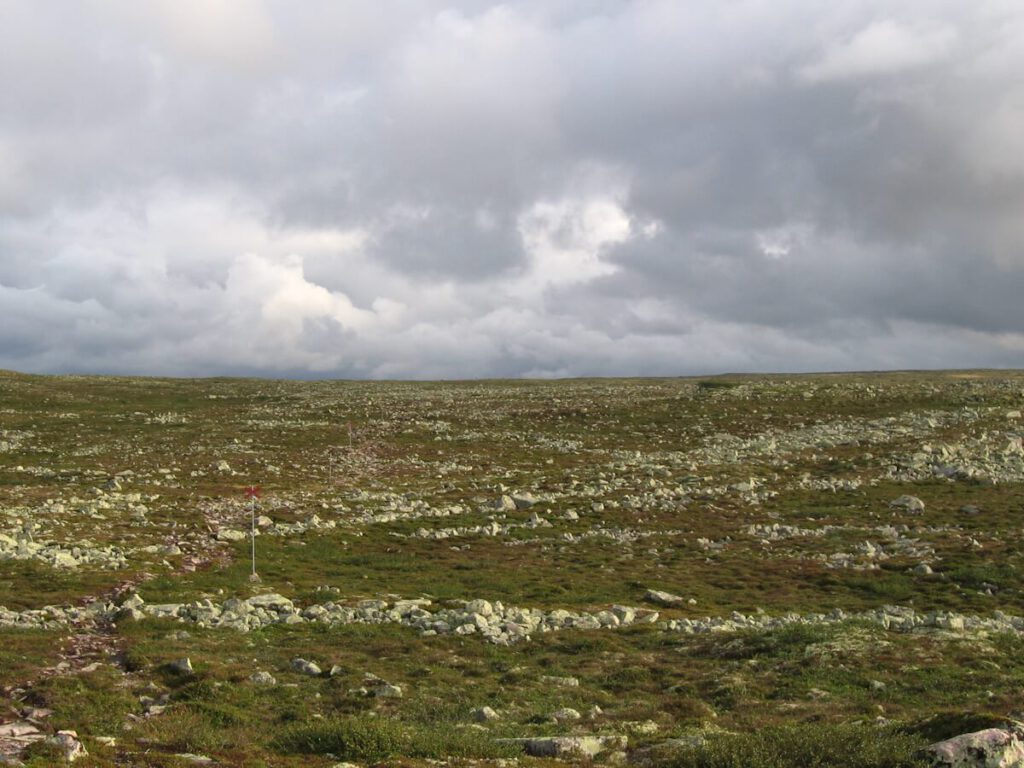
{"x":418,"y":190}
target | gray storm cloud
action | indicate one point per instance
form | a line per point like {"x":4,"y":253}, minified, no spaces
{"x":425,"y":189}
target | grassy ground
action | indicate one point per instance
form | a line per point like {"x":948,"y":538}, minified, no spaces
{"x":656,"y":509}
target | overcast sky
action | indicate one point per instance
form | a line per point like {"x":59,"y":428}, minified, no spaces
{"x":417,"y":189}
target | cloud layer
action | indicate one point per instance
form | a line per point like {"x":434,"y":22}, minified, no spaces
{"x":424,"y":189}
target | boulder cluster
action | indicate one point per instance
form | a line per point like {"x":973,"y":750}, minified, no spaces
{"x":499,"y":624}
{"x":492,"y":621}
{"x":21,"y":547}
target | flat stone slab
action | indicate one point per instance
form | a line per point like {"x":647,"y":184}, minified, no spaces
{"x":15,"y":737}
{"x":990,"y":748}
{"x":568,"y":746}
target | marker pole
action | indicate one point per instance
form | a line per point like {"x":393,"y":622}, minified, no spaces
{"x":252,"y":492}
{"x":252,"y":515}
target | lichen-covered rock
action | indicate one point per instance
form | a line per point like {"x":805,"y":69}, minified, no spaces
{"x":568,"y":746}
{"x":69,"y":744}
{"x":990,"y":748}
{"x":908,"y":502}
{"x":306,"y":667}
{"x":565,"y":715}
{"x":271,"y":601}
{"x":484,"y":714}
{"x":663,"y":598}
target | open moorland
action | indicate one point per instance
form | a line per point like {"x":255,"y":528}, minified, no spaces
{"x":733,"y":571}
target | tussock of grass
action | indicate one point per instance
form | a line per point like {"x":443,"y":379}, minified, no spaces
{"x":712,"y":384}
{"x":183,"y":729}
{"x":22,"y":650}
{"x":946,"y":725}
{"x":371,"y":739}
{"x":805,"y":746}
{"x":92,"y":704}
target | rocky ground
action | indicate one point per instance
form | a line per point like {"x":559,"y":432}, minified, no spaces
{"x":762,"y":571}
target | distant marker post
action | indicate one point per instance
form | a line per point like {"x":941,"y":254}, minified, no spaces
{"x":253,"y":493}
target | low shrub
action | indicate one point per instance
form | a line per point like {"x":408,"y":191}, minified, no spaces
{"x":352,"y":738}
{"x":371,"y":739}
{"x":711,"y":384}
{"x":946,"y":725}
{"x":804,"y":746}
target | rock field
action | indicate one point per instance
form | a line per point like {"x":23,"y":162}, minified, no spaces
{"x":620,"y":571}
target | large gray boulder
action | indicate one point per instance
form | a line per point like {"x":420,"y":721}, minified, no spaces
{"x":663,"y":598}
{"x":990,"y":748}
{"x":262,"y":678}
{"x":524,"y":500}
{"x":306,"y":667}
{"x":273,"y":602}
{"x":69,"y":745}
{"x":909,"y":503}
{"x":568,"y":746}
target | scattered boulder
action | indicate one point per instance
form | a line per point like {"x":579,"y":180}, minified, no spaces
{"x":909,"y":503}
{"x":565,"y":715}
{"x":563,"y":682}
{"x":306,"y":667}
{"x":504,"y":503}
{"x":133,"y":601}
{"x":480,"y":607}
{"x":524,"y":500}
{"x":536,"y":521}
{"x":272,"y":601}
{"x":642,"y":728}
{"x":484,"y":714}
{"x":262,"y":678}
{"x":990,"y":748}
{"x":130,"y":614}
{"x":568,"y":746}
{"x":68,"y":743}
{"x":666,"y":599}
{"x":189,"y":757}
{"x":182,"y":666}
{"x":14,"y":737}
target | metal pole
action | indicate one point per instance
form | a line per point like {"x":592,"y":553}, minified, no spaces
{"x":252,"y":515}
{"x":253,"y":491}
